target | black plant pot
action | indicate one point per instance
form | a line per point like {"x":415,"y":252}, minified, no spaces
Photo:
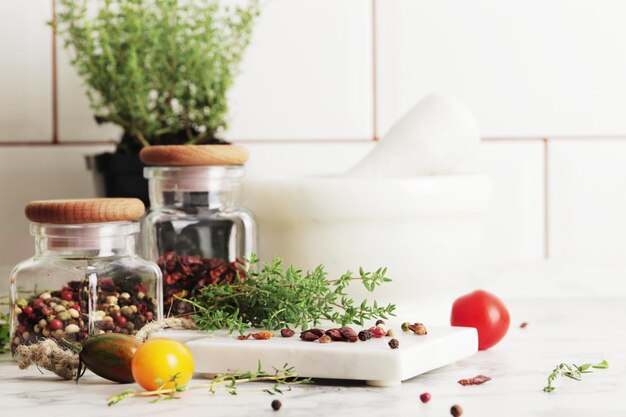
{"x":119,"y":175}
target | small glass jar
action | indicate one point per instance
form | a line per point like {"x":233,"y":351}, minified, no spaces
{"x":84,"y":279}
{"x":195,"y":230}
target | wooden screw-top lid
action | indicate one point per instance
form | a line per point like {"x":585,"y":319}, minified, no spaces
{"x":81,"y":211}
{"x":193,"y":155}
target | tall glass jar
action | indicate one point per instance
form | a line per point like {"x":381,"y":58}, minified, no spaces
{"x":85,"y":278}
{"x":195,"y":230}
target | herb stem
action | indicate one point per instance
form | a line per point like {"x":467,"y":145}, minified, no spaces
{"x":282,"y":377}
{"x":572,"y":371}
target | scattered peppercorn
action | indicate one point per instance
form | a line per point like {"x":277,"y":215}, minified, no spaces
{"x":380,"y":322}
{"x":325,"y":339}
{"x":276,"y":405}
{"x":311,"y":335}
{"x":394,"y":344}
{"x":287,"y":332}
{"x":419,"y":329}
{"x":348,"y":334}
{"x":262,"y":335}
{"x":477,"y":380}
{"x":365,"y":335}
{"x":406,"y":326}
{"x":456,"y":410}
{"x":391,"y":333}
{"x":425,"y":397}
{"x":335,"y":335}
{"x":523,"y":325}
{"x":378,"y":332}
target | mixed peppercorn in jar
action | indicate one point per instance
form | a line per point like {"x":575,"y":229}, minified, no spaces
{"x":85,"y":277}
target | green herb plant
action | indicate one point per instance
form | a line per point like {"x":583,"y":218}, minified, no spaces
{"x":272,"y":297}
{"x":160,"y":69}
{"x":5,"y":337}
{"x":572,"y":371}
{"x":282,"y":380}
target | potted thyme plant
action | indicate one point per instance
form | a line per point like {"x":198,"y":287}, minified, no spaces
{"x":160,"y":69}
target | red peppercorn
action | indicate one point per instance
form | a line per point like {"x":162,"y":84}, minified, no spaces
{"x":67,"y":295}
{"x":425,"y":397}
{"x":378,"y":332}
{"x":140,"y":288}
{"x":28,"y":310}
{"x":149,"y":315}
{"x":287,"y":332}
{"x":21,"y":328}
{"x":121,"y":321}
{"x":37,"y":302}
{"x":76,"y":307}
{"x":56,"y":324}
{"x":106,"y":282}
{"x":46,"y":311}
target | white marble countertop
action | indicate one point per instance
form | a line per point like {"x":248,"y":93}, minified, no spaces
{"x":574,"y":329}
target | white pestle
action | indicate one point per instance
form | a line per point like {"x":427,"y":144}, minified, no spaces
{"x":433,"y":138}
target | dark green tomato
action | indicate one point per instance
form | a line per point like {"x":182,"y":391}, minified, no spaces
{"x":109,"y":355}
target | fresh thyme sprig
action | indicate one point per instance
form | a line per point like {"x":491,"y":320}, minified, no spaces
{"x":572,"y":371}
{"x":272,"y":297}
{"x":283,"y":380}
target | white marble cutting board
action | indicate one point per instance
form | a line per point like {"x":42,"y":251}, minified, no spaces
{"x":372,"y":361}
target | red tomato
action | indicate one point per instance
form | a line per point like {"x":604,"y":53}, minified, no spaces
{"x":486,"y":313}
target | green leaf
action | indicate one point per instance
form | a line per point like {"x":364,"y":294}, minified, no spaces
{"x":602,"y":365}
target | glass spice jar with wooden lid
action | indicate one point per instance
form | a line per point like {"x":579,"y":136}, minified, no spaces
{"x":85,"y":277}
{"x":195,"y":230}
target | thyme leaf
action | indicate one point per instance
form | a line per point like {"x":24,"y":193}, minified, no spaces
{"x":572,"y":371}
{"x":274,"y":297}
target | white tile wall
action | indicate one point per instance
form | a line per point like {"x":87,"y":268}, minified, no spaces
{"x":525,"y":68}
{"x":307,"y":75}
{"x":33,"y":173}
{"x":304,"y":159}
{"x":514,"y":224}
{"x":25,"y":71}
{"x":587,"y":182}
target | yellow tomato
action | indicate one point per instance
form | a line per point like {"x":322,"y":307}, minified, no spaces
{"x":158,"y":361}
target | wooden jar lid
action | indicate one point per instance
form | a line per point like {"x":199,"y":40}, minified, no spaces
{"x":80,"y":211}
{"x":193,"y":155}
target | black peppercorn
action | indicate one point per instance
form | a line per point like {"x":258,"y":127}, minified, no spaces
{"x":394,"y":344}
{"x":380,"y":322}
{"x":365,"y":335}
{"x":456,"y":410}
{"x":276,"y":405}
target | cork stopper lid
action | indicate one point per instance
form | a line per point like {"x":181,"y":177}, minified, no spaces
{"x":81,"y":211}
{"x":193,"y":155}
